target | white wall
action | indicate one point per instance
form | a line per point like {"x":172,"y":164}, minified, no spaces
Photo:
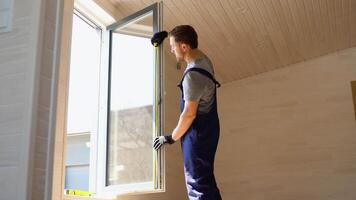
{"x":19,"y":63}
{"x":43,"y":151}
{"x":26,"y":67}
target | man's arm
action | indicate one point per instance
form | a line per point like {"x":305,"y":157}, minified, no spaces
{"x":186,"y":119}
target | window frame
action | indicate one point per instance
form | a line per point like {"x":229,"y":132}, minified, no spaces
{"x":93,"y":135}
{"x":98,"y":161}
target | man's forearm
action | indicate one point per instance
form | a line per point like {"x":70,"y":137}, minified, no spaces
{"x":185,"y":121}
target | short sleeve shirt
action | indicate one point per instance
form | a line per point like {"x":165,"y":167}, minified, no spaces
{"x":198,"y":87}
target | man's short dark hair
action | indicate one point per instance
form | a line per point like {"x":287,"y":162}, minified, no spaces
{"x":185,"y":34}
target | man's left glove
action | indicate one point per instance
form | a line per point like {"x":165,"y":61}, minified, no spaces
{"x":159,"y":141}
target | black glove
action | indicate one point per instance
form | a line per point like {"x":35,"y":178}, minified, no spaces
{"x":159,"y":141}
{"x":158,"y":38}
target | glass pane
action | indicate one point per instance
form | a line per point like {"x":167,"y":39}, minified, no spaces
{"x":132,"y":92}
{"x":84,"y":79}
{"x":82,"y":101}
{"x":77,"y":177}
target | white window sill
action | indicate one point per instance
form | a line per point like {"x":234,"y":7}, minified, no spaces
{"x":77,"y":197}
{"x":74,"y":197}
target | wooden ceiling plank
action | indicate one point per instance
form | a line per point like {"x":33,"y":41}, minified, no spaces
{"x":122,"y":7}
{"x":306,"y":42}
{"x":282,"y":21}
{"x":199,"y":15}
{"x":227,"y":38}
{"x":202,"y":13}
{"x":242,"y":55}
{"x":306,"y":50}
{"x":307,"y":33}
{"x":239,"y":56}
{"x":320,"y":26}
{"x":293,"y":32}
{"x":110,"y":8}
{"x":134,"y":7}
{"x":345,"y":22}
{"x":209,"y":36}
{"x":205,"y":38}
{"x":270,"y":48}
{"x":344,"y":27}
{"x":299,"y":17}
{"x":147,"y":2}
{"x":139,"y":4}
{"x":311,"y":27}
{"x":248,"y":14}
{"x":264,"y":44}
{"x":349,"y":22}
{"x":353,"y":22}
{"x":318,"y":15}
{"x":274,"y":33}
{"x":250,"y":35}
{"x":167,"y":7}
{"x":233,"y":56}
{"x":332,"y":24}
{"x":323,"y":7}
{"x":339,"y":24}
{"x":220,"y":23}
{"x":214,"y":37}
{"x":340,"y":35}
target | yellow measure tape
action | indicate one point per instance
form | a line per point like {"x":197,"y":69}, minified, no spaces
{"x":78,"y":192}
{"x":156,"y":45}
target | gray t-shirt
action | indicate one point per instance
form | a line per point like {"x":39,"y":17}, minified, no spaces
{"x":198,"y":87}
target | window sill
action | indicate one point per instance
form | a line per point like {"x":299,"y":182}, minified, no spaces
{"x":76,"y":197}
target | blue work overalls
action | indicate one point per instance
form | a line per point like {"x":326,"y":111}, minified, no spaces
{"x":199,"y":145}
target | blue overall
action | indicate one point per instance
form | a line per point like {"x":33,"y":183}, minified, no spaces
{"x":199,"y":145}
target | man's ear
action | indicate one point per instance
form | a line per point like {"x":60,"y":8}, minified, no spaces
{"x":184,"y":46}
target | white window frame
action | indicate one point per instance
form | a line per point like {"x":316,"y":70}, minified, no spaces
{"x":97,"y":180}
{"x":93,"y":134}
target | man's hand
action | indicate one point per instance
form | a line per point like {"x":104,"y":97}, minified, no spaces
{"x":159,"y":141}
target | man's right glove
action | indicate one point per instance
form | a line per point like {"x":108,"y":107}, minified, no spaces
{"x":159,"y":141}
{"x":158,"y":38}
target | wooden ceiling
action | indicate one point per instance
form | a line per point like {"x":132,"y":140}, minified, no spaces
{"x":248,"y":37}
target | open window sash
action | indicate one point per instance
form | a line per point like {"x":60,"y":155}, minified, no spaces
{"x":130,"y":110}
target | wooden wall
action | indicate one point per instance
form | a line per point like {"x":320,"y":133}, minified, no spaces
{"x":290,"y":133}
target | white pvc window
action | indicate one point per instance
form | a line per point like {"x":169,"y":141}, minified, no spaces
{"x":82,"y":102}
{"x":114,"y":109}
{"x":132,"y":114}
{"x":130,"y":107}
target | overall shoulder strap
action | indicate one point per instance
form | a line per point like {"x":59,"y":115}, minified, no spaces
{"x":203,"y":72}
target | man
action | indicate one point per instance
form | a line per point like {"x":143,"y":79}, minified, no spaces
{"x":198,"y":125}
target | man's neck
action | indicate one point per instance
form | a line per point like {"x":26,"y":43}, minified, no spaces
{"x":192,"y":55}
